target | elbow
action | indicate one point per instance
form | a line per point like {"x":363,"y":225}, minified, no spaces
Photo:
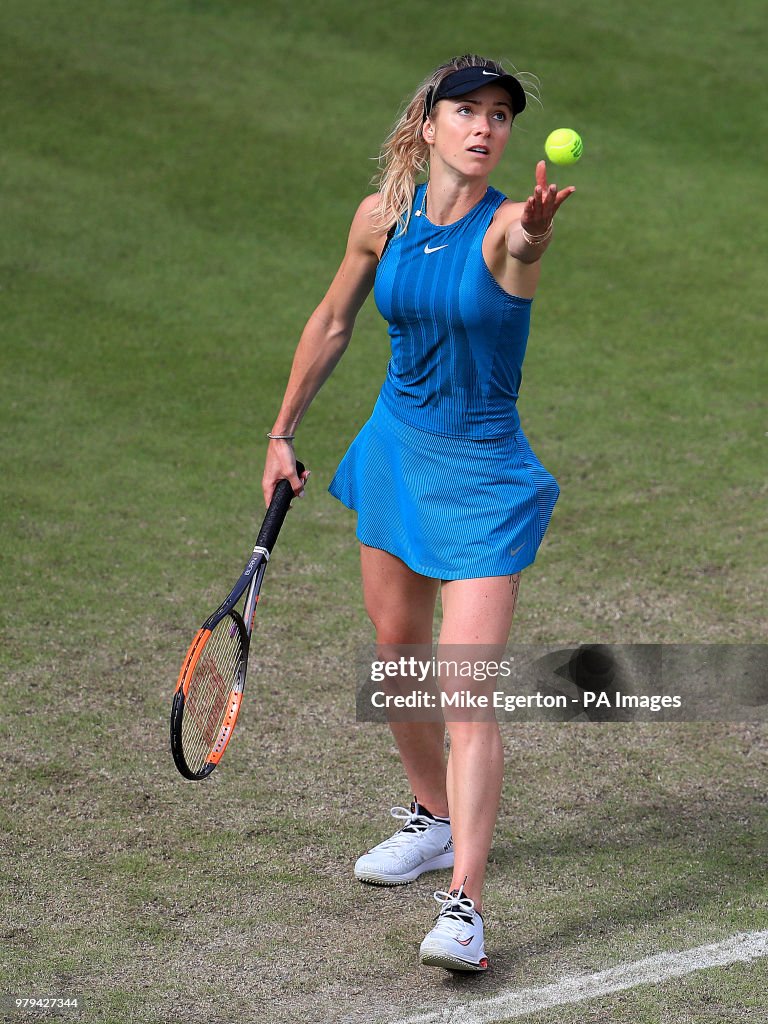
{"x":336,"y":331}
{"x":339,"y":334}
{"x":528,"y":257}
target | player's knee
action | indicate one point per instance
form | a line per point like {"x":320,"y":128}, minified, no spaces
{"x":397,"y":630}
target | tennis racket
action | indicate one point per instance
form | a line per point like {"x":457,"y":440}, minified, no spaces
{"x":209,"y":690}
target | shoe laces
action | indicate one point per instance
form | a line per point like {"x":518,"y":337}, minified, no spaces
{"x":414,"y":823}
{"x":455,"y":906}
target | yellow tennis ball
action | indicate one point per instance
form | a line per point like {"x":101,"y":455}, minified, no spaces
{"x":564,"y":146}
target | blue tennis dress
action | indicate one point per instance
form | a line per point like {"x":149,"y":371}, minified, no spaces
{"x":442,"y":475}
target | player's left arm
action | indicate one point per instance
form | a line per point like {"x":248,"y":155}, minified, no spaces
{"x":514,"y":261}
{"x":535,"y":219}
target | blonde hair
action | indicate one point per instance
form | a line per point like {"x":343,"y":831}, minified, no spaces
{"x":405,"y":155}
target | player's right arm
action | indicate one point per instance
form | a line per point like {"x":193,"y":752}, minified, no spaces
{"x":323,"y":342}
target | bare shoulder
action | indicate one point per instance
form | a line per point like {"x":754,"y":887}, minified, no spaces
{"x":369,"y":204}
{"x":363,"y":236}
{"x":357,"y":270}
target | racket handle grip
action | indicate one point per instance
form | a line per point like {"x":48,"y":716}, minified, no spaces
{"x":276,"y":513}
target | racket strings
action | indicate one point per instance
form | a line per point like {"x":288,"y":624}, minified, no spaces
{"x":208,"y":695}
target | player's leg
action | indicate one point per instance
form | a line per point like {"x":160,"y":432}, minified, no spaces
{"x":475,"y":612}
{"x":401,"y":606}
{"x":477,"y":615}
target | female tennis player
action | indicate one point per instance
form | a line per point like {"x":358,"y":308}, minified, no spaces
{"x":448,"y":493}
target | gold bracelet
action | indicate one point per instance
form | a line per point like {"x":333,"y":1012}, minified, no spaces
{"x":537,"y":239}
{"x":280,"y":437}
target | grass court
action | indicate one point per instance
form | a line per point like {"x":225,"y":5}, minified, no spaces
{"x":178,"y":178}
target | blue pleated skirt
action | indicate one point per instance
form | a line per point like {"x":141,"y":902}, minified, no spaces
{"x":450,"y":507}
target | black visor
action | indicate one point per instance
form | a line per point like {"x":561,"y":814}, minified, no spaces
{"x":459,"y":83}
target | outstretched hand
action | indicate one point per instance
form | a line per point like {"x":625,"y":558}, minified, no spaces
{"x":541,"y":207}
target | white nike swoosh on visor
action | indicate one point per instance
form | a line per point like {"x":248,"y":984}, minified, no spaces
{"x":436,"y":249}
{"x":493,"y":73}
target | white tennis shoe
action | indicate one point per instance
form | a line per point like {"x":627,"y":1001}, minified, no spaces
{"x":424,"y":843}
{"x":456,"y":942}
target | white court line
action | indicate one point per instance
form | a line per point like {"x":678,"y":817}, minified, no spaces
{"x":742,"y":947}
